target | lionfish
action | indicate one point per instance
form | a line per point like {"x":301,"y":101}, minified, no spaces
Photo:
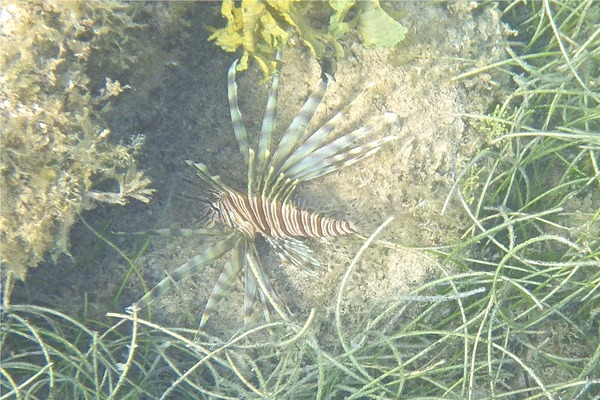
{"x":265,"y":208}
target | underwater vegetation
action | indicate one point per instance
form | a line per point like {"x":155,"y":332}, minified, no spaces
{"x":265,"y":208}
{"x":261,"y":28}
{"x":513,"y":311}
{"x":57,"y":157}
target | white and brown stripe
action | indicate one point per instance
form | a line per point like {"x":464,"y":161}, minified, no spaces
{"x":253,"y":215}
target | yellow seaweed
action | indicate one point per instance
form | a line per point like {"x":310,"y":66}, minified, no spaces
{"x":260,"y":28}
{"x":377,"y":28}
{"x":253,"y":27}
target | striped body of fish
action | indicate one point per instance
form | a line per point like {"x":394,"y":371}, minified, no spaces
{"x":251,"y":215}
{"x":265,"y":208}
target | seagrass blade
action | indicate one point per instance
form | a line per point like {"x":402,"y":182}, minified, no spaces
{"x":190,"y":267}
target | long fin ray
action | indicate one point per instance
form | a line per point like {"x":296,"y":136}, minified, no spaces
{"x":316,"y":158}
{"x":296,"y":132}
{"x":174,"y":232}
{"x":190,"y":267}
{"x":250,"y":289}
{"x":342,"y":160}
{"x":319,"y":137}
{"x":232,"y":269}
{"x":265,"y":286}
{"x":266,"y":132}
{"x":236,"y":116}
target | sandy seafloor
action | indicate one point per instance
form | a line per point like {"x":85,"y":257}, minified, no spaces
{"x":180,"y":104}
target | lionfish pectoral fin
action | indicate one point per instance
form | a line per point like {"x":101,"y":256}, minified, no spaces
{"x":293,"y":252}
{"x":320,"y":137}
{"x":268,"y":295}
{"x":344,"y":159}
{"x":266,"y":133}
{"x":250,"y":289}
{"x":296,"y":132}
{"x":236,"y":116}
{"x":190,"y":267}
{"x":326,"y":154}
{"x":232,"y":269}
{"x":175,"y":232}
